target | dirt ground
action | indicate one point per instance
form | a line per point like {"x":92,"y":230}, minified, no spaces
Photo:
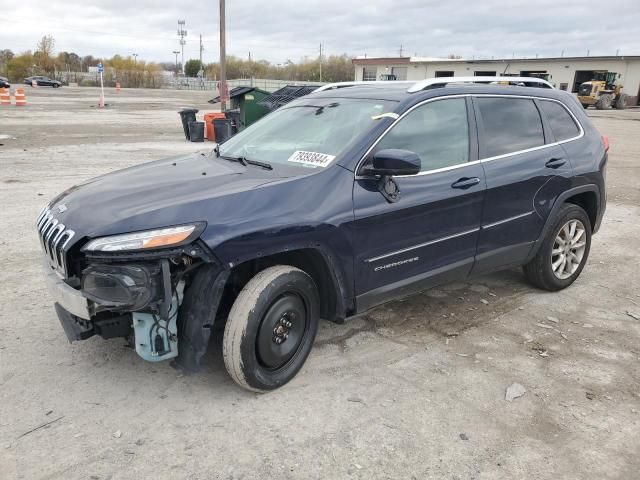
{"x":415,"y":389}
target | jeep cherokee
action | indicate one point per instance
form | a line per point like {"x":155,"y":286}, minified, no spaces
{"x":342,"y":200}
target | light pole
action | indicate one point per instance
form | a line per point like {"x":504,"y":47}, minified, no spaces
{"x":176,"y":53}
{"x":135,"y":57}
{"x":223,"y":60}
{"x":182,"y":33}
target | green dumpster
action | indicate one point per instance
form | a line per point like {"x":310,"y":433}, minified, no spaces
{"x":244,"y":105}
{"x":245,"y":100}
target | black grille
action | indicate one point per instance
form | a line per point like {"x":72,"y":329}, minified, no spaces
{"x":54,"y":239}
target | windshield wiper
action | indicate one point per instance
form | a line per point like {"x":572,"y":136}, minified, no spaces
{"x":266,"y":165}
{"x":241,"y":160}
{"x":246,"y":161}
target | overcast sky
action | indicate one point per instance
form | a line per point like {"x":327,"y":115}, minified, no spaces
{"x":278,"y":30}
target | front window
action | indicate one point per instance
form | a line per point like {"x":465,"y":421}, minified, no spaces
{"x":308,"y":134}
{"x":437,"y":131}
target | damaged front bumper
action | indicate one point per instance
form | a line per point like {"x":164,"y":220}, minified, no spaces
{"x":66,"y":296}
{"x":169,"y":310}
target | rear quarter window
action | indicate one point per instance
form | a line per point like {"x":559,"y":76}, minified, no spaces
{"x":561,"y":122}
{"x":509,"y":125}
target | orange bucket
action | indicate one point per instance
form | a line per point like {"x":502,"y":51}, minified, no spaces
{"x":208,"y":122}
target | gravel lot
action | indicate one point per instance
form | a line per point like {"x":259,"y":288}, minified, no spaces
{"x":414,"y":389}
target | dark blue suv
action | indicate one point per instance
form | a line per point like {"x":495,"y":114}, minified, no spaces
{"x":340,"y":201}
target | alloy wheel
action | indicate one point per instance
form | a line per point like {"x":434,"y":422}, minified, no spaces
{"x":568,"y":249}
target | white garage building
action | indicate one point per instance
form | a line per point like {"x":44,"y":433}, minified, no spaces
{"x":566,"y":73}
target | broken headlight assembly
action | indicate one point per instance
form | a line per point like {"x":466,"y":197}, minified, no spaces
{"x":148,"y":239}
{"x":122,"y":287}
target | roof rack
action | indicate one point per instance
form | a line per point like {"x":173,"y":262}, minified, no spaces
{"x":336,"y":85}
{"x":442,"y":81}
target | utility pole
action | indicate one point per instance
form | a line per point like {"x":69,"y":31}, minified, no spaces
{"x":201,"y":49}
{"x":176,"y":52}
{"x":400,"y":50}
{"x":320,"y":62}
{"x":182,"y":33}
{"x":223,"y":59}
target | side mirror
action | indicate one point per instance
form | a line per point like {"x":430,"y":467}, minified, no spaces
{"x":394,"y":161}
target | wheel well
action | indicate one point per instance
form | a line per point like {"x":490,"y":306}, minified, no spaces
{"x":589,"y":203}
{"x":308,"y":260}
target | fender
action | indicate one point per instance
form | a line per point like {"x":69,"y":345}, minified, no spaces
{"x":197,"y":315}
{"x":325,"y":240}
{"x":556,"y":206}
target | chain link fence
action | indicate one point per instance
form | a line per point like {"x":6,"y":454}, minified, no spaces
{"x":269,"y":85}
{"x":140,"y":79}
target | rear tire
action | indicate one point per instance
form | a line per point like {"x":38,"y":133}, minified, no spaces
{"x":271,"y":328}
{"x":603,"y":102}
{"x":621,"y":102}
{"x":564,"y":250}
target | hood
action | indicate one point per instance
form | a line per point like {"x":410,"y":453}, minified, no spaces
{"x":156,"y":194}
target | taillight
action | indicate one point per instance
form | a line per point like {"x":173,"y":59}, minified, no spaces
{"x":605,"y":140}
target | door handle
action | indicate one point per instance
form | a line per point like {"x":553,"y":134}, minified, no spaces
{"x":466,"y":182}
{"x":555,"y":163}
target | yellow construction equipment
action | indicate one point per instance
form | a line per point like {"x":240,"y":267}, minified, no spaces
{"x":604,"y":91}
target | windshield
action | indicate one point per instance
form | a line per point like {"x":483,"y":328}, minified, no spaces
{"x":309,"y":134}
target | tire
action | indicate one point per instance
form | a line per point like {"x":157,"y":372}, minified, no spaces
{"x":271,"y":328}
{"x":621,"y":102}
{"x":585,"y":105}
{"x":540,"y":270}
{"x":603,"y":102}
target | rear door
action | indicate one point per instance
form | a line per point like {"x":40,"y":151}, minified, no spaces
{"x":526,"y":169}
{"x":429,"y":235}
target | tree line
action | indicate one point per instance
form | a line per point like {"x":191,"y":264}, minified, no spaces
{"x":138,"y":73}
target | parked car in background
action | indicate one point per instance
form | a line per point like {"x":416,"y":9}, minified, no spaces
{"x":347,"y":198}
{"x":42,"y":81}
{"x":4,"y":82}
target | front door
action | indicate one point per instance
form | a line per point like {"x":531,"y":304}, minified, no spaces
{"x":429,"y":234}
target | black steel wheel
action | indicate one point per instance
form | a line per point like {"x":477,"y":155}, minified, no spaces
{"x":271,"y":328}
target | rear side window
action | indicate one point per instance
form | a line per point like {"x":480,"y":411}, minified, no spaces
{"x":437,"y":131}
{"x":510,"y":125}
{"x":562,"y":124}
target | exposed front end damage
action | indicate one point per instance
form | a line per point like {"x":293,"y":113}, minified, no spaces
{"x":165,"y":302}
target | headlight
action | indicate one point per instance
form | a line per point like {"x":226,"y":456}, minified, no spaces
{"x":163,"y":237}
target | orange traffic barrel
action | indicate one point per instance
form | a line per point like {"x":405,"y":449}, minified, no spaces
{"x":21,"y":99}
{"x":5,"y":96}
{"x":208,"y":121}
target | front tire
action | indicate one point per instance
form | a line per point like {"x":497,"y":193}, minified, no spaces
{"x":564,"y":250}
{"x":271,"y":328}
